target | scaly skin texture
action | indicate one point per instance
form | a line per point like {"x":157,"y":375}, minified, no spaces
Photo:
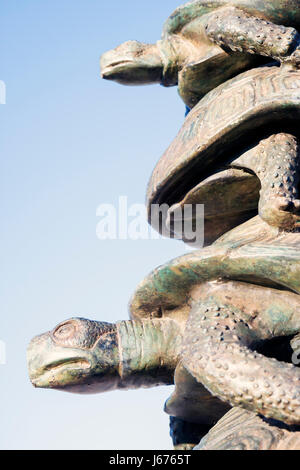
{"x":241,"y":32}
{"x":276,"y":163}
{"x":218,"y":352}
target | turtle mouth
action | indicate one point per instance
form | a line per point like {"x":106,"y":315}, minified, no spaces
{"x":73,"y":363}
{"x":111,"y":68}
{"x":52,"y":375}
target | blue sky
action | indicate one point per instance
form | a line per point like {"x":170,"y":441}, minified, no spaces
{"x":71,"y":141}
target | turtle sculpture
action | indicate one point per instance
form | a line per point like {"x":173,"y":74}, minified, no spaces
{"x":190,"y":319}
{"x":206,"y":42}
{"x":222,"y":322}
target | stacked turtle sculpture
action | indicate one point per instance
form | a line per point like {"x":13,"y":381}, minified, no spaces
{"x":222,"y":322}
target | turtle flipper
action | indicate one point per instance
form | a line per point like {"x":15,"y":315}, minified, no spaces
{"x":200,"y":76}
{"x":276,"y":162}
{"x":219,"y":351}
{"x":238,"y":31}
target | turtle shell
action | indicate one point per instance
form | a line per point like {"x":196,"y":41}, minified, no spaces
{"x":223,"y":125}
{"x":253,"y":252}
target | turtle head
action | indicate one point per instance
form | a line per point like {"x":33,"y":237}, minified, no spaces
{"x":133,"y":63}
{"x":78,"y":356}
{"x":84,"y":356}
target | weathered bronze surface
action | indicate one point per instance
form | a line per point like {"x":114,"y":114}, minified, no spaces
{"x":223,"y":322}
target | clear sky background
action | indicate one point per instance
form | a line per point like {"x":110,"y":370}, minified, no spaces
{"x":71,"y":141}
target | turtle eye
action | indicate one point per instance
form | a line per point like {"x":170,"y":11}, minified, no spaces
{"x":65,"y":332}
{"x":80,"y":333}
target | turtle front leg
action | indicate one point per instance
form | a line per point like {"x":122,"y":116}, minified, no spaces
{"x":237,"y":30}
{"x":219,"y":350}
{"x":276,"y":162}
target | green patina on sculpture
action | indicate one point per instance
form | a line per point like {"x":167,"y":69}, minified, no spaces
{"x":223,"y":322}
{"x":207,"y":42}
